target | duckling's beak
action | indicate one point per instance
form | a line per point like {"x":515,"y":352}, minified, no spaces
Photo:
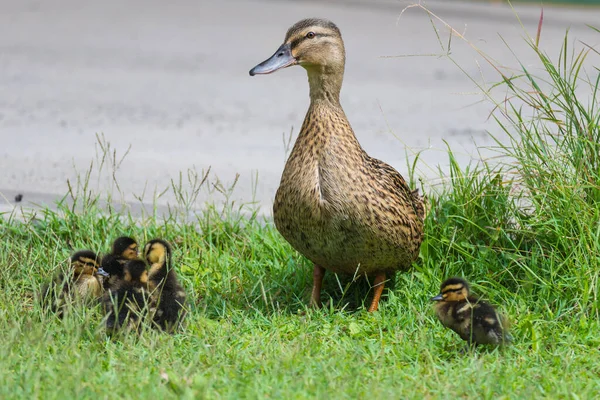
{"x":102,"y":272}
{"x":281,"y":59}
{"x":439,"y":297}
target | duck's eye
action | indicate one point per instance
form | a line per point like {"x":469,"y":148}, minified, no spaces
{"x":310,"y":35}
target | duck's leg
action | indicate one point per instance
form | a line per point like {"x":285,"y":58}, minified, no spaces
{"x":378,"y":286}
{"x":315,"y":297}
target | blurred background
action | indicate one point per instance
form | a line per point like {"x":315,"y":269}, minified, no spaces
{"x":148,"y":89}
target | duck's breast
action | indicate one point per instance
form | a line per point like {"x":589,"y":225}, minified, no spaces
{"x":340,"y":208}
{"x":327,"y":211}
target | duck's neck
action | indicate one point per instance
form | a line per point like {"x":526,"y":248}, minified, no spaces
{"x":325,"y":118}
{"x":325,"y":85}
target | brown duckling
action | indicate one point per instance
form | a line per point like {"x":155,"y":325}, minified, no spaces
{"x":125,"y":303}
{"x":473,"y":319}
{"x":168,"y":297}
{"x":81,"y":282}
{"x":342,"y":209}
{"x":124,"y":249}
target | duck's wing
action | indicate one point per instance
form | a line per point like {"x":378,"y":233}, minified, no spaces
{"x":490,"y":324}
{"x":390,"y":184}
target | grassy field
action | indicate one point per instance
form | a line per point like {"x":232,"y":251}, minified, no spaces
{"x":524,"y":230}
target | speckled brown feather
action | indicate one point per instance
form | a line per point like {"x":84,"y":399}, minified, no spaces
{"x":339,"y":207}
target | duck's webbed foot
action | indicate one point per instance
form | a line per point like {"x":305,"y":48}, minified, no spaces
{"x":315,"y":297}
{"x":378,"y":285}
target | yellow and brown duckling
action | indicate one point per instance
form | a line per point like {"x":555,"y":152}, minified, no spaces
{"x":126,"y":302}
{"x":342,"y":209}
{"x":124,"y":249}
{"x":168,"y":296}
{"x":472,"y":319}
{"x":80,"y":283}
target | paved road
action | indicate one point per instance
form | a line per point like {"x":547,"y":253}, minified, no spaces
{"x":170,"y":83}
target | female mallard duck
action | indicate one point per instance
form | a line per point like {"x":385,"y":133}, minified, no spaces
{"x":473,"y":319}
{"x":342,"y":209}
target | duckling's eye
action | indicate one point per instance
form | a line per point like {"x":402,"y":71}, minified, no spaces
{"x":310,"y":35}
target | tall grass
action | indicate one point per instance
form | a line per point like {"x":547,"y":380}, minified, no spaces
{"x":527,"y":220}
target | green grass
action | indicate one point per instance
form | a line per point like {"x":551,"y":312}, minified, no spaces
{"x":523,"y":230}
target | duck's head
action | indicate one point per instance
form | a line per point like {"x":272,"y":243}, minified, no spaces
{"x":84,"y":262}
{"x":312,"y":43}
{"x":135,"y":271}
{"x":157,"y":251}
{"x":453,"y":289}
{"x":125,"y":247}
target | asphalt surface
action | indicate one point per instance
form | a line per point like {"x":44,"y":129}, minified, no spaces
{"x":167,"y":84}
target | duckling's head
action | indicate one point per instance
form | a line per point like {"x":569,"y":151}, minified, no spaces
{"x":135,"y":271}
{"x":84,"y":262}
{"x":315,"y":44}
{"x":157,"y":251}
{"x":453,"y":289}
{"x":125,"y":247}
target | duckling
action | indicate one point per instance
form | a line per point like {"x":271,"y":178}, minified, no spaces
{"x":168,"y":297}
{"x":124,"y":249}
{"x":82,"y":282}
{"x":125,"y":302}
{"x":342,"y":209}
{"x":473,"y":319}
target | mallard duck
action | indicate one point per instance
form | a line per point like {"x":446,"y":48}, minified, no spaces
{"x":80,"y":283}
{"x":473,"y":319}
{"x":342,"y":209}
{"x":126,"y":301}
{"x":124,"y":249}
{"x":168,"y":297}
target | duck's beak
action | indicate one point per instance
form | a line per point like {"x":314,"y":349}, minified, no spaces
{"x":102,"y":272}
{"x":281,"y":59}
{"x":439,"y":297}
